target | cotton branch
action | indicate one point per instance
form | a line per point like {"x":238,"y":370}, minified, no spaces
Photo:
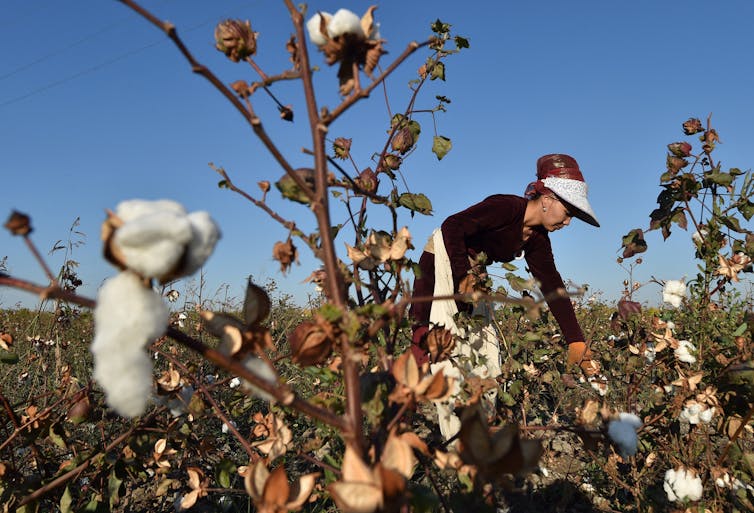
{"x":334,"y":281}
{"x":360,"y":94}
{"x":248,"y":114}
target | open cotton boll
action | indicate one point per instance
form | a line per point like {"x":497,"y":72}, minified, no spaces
{"x":344,"y":22}
{"x":127,"y":317}
{"x":204,"y":235}
{"x":681,"y":485}
{"x":674,"y":292}
{"x":683,"y":351}
{"x":313,"y":25}
{"x":153,"y":244}
{"x":128,"y":387}
{"x":622,"y":432}
{"x":131,"y":209}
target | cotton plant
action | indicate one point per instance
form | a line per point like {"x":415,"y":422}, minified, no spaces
{"x":146,"y":240}
{"x":681,"y":485}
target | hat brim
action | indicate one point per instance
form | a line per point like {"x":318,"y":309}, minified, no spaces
{"x":574,"y":194}
{"x":587,"y":217}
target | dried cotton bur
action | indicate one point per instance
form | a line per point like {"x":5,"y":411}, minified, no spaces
{"x":365,"y":488}
{"x":495,"y":453}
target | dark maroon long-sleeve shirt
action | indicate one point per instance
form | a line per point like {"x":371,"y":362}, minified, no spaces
{"x":495,"y":227}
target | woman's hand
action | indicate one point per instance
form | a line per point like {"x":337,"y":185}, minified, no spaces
{"x":579,"y":354}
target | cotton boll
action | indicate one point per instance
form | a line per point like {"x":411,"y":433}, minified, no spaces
{"x":128,"y":316}
{"x":681,"y":485}
{"x":706,"y":415}
{"x":153,"y":244}
{"x":128,"y":387}
{"x":623,"y":433}
{"x":683,"y":351}
{"x":344,"y":22}
{"x":204,"y":235}
{"x":131,"y":209}
{"x":262,"y":370}
{"x":313,"y":27}
{"x":674,"y":292}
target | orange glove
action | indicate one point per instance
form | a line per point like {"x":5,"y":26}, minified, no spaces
{"x":579,"y":354}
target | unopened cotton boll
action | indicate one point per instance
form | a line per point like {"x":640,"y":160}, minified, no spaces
{"x":313,"y":25}
{"x":344,"y":22}
{"x":128,"y":316}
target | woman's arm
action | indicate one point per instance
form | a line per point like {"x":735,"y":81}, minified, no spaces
{"x":541,"y":264}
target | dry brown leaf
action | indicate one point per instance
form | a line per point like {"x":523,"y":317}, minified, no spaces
{"x":360,"y":487}
{"x":6,"y":340}
{"x":278,"y":435}
{"x":494,"y":455}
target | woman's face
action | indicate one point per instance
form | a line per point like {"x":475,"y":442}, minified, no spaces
{"x":557,"y":215}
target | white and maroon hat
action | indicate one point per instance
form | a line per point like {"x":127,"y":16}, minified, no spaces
{"x":560,"y":174}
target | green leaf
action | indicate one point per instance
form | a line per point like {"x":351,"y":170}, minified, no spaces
{"x":9,"y":358}
{"x":415,"y":202}
{"x":732,"y":223}
{"x":724,"y":179}
{"x":56,"y":437}
{"x":509,"y":266}
{"x":113,"y":488}
{"x":746,"y":209}
{"x":92,"y":505}
{"x":442,"y":99}
{"x":290,"y":189}
{"x":740,"y":330}
{"x":438,"y":27}
{"x":225,"y":469}
{"x":66,"y":501}
{"x":223,"y":184}
{"x":517,"y":283}
{"x":461,"y":42}
{"x":438,"y":71}
{"x":441,"y":146}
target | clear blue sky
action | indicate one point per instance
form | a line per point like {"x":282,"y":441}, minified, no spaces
{"x":97,"y":106}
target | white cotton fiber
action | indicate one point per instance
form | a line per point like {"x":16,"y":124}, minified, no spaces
{"x":131,"y":209}
{"x":128,"y":316}
{"x":681,"y":485}
{"x":344,"y":22}
{"x":622,"y":432}
{"x":313,"y":27}
{"x":204,"y":235}
{"x":154,"y":243}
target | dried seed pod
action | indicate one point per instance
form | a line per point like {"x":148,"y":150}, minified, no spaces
{"x":309,"y":343}
{"x":236,"y":39}
{"x":19,"y":224}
